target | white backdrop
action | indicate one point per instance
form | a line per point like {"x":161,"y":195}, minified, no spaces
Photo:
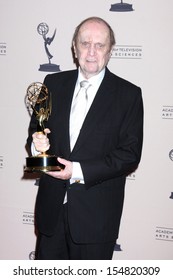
{"x":144,"y":56}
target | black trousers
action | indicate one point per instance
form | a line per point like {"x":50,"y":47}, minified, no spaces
{"x":60,"y":246}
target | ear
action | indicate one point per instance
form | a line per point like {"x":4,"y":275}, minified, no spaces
{"x":74,"y":49}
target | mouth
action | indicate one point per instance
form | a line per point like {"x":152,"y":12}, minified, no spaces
{"x":91,"y":60}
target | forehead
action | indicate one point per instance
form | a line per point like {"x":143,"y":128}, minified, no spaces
{"x":94,"y":31}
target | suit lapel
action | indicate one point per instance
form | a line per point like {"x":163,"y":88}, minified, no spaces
{"x":64,"y":110}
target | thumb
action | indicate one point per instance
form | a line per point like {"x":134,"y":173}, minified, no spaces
{"x":62,"y":160}
{"x":47,"y":131}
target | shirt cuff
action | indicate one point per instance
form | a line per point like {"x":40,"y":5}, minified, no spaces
{"x":34,"y":152}
{"x":77,"y":175}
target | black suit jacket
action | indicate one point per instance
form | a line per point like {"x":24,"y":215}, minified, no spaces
{"x":108,"y":148}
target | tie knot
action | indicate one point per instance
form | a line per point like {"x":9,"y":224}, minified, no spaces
{"x":84,"y":84}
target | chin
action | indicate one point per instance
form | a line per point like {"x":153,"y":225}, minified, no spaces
{"x":92,"y":70}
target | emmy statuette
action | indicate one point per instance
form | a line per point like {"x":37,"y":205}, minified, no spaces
{"x":38,"y":102}
{"x":43,"y":29}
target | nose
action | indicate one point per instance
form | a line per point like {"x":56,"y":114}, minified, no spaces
{"x":92,"y":49}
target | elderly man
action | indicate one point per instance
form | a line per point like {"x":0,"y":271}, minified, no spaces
{"x":96,"y":130}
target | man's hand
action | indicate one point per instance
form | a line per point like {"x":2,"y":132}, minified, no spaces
{"x":41,"y":141}
{"x":64,"y":174}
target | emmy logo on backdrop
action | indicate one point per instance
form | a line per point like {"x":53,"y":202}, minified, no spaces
{"x":43,"y":29}
{"x":121,"y":7}
{"x":38,"y":101}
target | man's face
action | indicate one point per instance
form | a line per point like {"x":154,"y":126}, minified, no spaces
{"x":92,"y":48}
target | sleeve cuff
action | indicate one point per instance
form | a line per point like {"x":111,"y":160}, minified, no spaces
{"x":77,"y":175}
{"x":34,"y":152}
